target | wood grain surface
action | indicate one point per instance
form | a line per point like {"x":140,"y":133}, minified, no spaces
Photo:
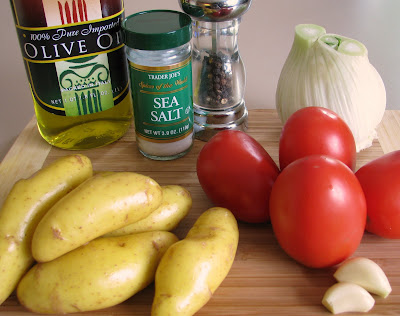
{"x":263,"y":279}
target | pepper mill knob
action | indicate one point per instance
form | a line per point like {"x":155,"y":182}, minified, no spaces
{"x":215,"y":10}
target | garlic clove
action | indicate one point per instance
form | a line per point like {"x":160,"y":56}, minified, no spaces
{"x":347,"y":297}
{"x":366,"y":273}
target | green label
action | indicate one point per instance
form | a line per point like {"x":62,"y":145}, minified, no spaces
{"x":76,"y":69}
{"x":162,"y":101}
{"x":85,"y":87}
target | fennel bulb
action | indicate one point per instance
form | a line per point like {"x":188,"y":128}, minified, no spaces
{"x":334,"y":72}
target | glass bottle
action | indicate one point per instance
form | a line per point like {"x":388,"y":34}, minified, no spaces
{"x":219,"y":77}
{"x":76,"y":66}
{"x":158,"y":46}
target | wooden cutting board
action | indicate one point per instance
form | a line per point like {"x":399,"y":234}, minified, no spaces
{"x":263,"y":279}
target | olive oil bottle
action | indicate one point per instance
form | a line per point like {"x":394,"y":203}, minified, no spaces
{"x":77,"y":69}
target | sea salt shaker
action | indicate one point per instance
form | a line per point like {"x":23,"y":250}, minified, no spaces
{"x":159,"y":55}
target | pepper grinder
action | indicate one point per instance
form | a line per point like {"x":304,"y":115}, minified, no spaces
{"x":219,"y":76}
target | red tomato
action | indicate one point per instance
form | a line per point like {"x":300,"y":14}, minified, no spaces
{"x":380,"y":180}
{"x":237,"y":173}
{"x":316,"y":131}
{"x":318,"y":211}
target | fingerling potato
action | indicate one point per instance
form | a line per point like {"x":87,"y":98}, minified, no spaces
{"x":101,"y":204}
{"x":176,"y":204}
{"x":27,"y":202}
{"x":100,"y":274}
{"x":193,"y":268}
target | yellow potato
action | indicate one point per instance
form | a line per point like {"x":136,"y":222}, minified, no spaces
{"x":26,"y":203}
{"x":176,"y":204}
{"x":100,"y":274}
{"x":193,"y":268}
{"x":103,"y":203}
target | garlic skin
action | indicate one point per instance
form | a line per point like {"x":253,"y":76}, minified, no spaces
{"x":334,"y":72}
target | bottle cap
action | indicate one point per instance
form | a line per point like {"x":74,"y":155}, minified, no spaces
{"x":157,"y":29}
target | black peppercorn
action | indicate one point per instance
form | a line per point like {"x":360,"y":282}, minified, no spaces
{"x":216,"y":81}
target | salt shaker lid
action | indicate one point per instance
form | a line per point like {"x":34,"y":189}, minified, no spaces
{"x":215,"y":10}
{"x":157,"y":29}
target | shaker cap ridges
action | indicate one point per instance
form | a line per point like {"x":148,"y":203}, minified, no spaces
{"x":157,"y":29}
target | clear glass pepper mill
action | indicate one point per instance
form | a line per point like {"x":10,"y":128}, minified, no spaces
{"x":219,"y":76}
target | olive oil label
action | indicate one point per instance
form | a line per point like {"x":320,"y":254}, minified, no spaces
{"x":70,"y":63}
{"x":85,"y":86}
{"x":162,"y":101}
